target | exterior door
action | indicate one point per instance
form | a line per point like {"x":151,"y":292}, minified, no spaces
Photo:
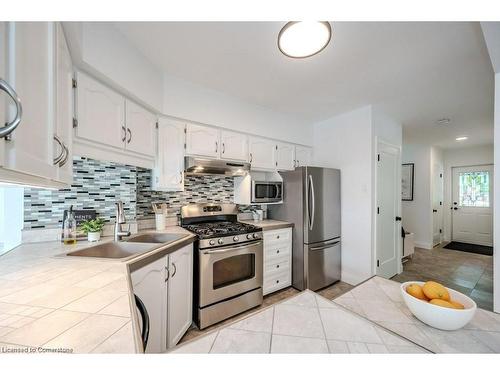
{"x":202,"y":141}
{"x":388,"y":227}
{"x":437,"y":203}
{"x":322,"y":204}
{"x":180,"y":294}
{"x":101,"y":113}
{"x":140,"y":129}
{"x":234,"y":146}
{"x":472,"y":205}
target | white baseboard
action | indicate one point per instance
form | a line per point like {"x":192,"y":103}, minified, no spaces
{"x":423,"y":245}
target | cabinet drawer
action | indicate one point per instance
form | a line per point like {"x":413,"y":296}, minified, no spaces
{"x":271,"y":254}
{"x":276,"y":282}
{"x":277,"y":267}
{"x":278,"y":236}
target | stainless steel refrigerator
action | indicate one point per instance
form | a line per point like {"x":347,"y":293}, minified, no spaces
{"x":312,"y":202}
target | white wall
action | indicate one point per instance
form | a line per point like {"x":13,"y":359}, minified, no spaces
{"x":345,"y":142}
{"x":496,"y":208}
{"x":11,"y":217}
{"x":417,"y":214}
{"x":196,"y":103}
{"x":103,"y":51}
{"x":461,"y":157}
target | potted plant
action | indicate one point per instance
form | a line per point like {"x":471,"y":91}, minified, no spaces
{"x":93,"y":229}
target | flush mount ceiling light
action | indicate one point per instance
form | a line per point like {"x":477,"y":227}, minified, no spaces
{"x":304,"y":39}
{"x":461,"y":138}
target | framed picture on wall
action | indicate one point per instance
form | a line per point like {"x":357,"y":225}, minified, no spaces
{"x":407,"y":179}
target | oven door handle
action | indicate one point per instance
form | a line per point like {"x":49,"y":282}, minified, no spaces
{"x":233,"y":248}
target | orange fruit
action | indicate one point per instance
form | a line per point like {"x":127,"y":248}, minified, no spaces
{"x":457,"y":305}
{"x":434,"y":290}
{"x":416,"y":291}
{"x":442,"y":303}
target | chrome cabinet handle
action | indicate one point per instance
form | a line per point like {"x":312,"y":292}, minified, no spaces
{"x":11,"y":126}
{"x":58,"y":159}
{"x":216,"y":146}
{"x":223,"y":148}
{"x":175,"y":270}
{"x":129,"y":135}
{"x":180,"y":177}
{"x":66,"y":155}
{"x":168,"y":274}
{"x":124,"y":137}
{"x":251,"y":157}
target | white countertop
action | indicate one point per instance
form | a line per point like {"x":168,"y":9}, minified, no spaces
{"x":269,"y":224}
{"x":51,"y":303}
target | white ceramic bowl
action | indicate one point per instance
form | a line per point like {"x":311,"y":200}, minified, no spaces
{"x":440,"y":317}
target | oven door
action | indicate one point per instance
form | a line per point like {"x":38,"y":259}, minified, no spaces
{"x":226,"y":272}
{"x":266,"y":192}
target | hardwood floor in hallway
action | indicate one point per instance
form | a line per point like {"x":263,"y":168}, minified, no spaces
{"x":471,"y":274}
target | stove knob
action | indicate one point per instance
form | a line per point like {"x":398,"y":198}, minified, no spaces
{"x":255,"y":235}
{"x":249,"y":236}
{"x":211,"y":242}
{"x":220,"y":241}
{"x":236,"y":239}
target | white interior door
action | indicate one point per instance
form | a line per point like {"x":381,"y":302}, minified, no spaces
{"x":472,"y":207}
{"x":388,"y":231}
{"x":437,"y":203}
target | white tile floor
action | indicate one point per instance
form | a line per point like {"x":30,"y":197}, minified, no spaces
{"x":306,"y":323}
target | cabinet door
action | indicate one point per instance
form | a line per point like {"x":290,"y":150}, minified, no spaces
{"x":64,"y":107}
{"x":149,"y":285}
{"x":303,"y":156}
{"x":169,"y":162}
{"x":100,"y":113}
{"x":30,"y":72}
{"x":234,"y":146}
{"x":285,"y":157}
{"x":202,"y":141}
{"x":180,"y":294}
{"x":140,"y":129}
{"x":262,"y":153}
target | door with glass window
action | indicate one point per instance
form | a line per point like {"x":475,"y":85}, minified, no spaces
{"x":472,"y":205}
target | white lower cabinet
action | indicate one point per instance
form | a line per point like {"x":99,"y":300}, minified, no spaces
{"x":165,"y":287}
{"x":277,"y":259}
{"x":180,"y":292}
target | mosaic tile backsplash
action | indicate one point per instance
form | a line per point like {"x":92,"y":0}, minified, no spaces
{"x":98,"y":185}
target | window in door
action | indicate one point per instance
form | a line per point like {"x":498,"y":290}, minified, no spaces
{"x":474,"y":189}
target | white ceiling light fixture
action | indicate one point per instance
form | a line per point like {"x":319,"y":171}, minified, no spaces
{"x":443,"y":121}
{"x":459,"y":139}
{"x":301,"y":39}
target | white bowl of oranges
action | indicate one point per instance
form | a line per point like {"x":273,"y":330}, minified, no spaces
{"x":438,"y":306}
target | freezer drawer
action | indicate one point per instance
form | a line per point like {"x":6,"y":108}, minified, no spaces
{"x":323,"y":264}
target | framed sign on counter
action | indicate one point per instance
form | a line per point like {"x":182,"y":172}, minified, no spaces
{"x":407,"y":180}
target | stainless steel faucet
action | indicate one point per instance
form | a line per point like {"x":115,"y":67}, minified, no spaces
{"x":120,"y":219}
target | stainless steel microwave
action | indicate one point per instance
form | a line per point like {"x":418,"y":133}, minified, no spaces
{"x":267,"y":191}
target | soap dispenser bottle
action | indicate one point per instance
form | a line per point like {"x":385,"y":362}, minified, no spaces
{"x":69,"y":228}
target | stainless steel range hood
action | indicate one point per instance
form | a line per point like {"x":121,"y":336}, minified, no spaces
{"x":200,"y":166}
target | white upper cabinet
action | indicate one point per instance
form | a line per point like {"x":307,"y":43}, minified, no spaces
{"x":100,"y":113}
{"x":202,"y":141}
{"x":262,"y":153}
{"x":140,"y":129}
{"x":234,"y":146}
{"x":180,"y":294}
{"x":285,"y":156}
{"x":63,"y":134}
{"x":30,"y":73}
{"x":169,"y":162}
{"x":303,"y":156}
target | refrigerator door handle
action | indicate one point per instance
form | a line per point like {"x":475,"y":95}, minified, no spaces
{"x":325,"y":246}
{"x":311,"y":203}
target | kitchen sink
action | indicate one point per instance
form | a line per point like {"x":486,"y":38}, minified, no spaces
{"x":114,"y":250}
{"x":156,"y":237}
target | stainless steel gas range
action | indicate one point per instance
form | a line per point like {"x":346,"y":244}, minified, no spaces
{"x":228,"y":262}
